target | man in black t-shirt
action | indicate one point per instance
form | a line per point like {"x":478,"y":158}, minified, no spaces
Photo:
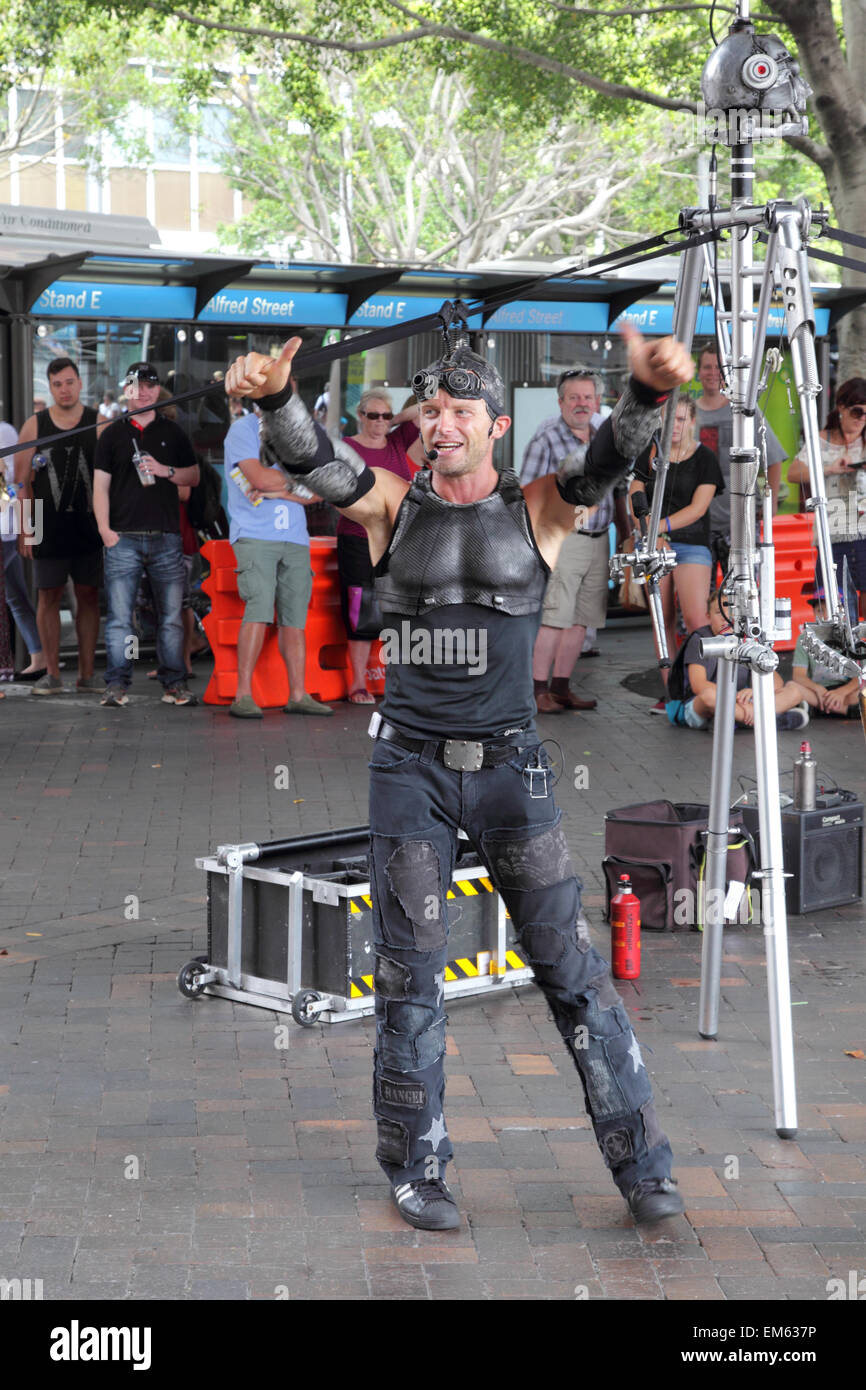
{"x":141,"y":461}
{"x":58,"y":483}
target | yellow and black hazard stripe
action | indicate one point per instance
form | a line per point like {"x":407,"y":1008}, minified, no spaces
{"x":467,"y":888}
{"x":462,"y":969}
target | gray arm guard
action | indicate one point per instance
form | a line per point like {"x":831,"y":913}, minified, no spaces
{"x":587,"y":475}
{"x":635,"y":419}
{"x":304,"y":453}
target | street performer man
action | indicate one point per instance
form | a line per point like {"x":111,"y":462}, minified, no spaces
{"x":464,"y":550}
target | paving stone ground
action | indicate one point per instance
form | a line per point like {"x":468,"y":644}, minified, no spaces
{"x":155,"y":1148}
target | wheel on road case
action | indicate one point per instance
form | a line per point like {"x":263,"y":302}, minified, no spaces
{"x":187,"y":977}
{"x":301,"y":1011}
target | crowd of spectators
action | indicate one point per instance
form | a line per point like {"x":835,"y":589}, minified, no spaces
{"x":124,"y":503}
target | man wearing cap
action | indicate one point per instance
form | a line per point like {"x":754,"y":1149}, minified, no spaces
{"x":464,"y":553}
{"x":141,"y":461}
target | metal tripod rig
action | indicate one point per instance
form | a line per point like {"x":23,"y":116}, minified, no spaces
{"x":753,"y":90}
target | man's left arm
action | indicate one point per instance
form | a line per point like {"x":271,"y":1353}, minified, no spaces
{"x":657,"y":366}
{"x":183,"y":473}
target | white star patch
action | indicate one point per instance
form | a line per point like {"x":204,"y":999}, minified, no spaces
{"x":436,"y":1133}
{"x":634,"y":1054}
{"x":439,"y":981}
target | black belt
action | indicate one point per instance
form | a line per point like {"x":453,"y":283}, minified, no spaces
{"x":460,"y":755}
{"x":593,"y":535}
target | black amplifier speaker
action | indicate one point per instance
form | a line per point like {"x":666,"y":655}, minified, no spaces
{"x":823,"y":852}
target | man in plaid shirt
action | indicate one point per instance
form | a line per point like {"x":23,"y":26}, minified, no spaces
{"x":576,"y":598}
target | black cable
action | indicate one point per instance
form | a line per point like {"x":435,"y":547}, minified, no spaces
{"x":379,"y":337}
{"x":847,"y":261}
{"x":849,"y":237}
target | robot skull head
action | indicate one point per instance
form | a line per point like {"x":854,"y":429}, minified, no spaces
{"x":755,"y":73}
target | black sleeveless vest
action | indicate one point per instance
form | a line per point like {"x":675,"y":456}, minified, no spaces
{"x":445,"y":553}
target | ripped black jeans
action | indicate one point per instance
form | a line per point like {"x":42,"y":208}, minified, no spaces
{"x":416,"y":807}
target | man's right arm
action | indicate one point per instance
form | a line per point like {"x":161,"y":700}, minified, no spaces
{"x":101,"y":507}
{"x":24,"y":459}
{"x":291,"y":439}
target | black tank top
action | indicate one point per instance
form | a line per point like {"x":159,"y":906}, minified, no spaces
{"x":462,"y":671}
{"x":461,"y":588}
{"x":64,"y":488}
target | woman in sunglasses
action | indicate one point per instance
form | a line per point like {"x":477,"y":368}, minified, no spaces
{"x":382,"y":441}
{"x":843,"y":455}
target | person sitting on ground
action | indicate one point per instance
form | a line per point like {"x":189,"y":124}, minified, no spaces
{"x":696,"y":705}
{"x":382,"y":442}
{"x":824,"y":690}
{"x":693,"y":479}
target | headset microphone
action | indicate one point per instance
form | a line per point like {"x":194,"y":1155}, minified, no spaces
{"x":431,"y":455}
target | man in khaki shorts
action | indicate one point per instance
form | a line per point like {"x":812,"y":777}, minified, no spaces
{"x":268,"y":533}
{"x":576,"y":597}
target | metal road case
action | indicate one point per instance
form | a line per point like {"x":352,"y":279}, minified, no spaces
{"x":290,"y":929}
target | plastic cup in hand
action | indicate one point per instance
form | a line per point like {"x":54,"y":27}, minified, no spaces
{"x":145,"y":478}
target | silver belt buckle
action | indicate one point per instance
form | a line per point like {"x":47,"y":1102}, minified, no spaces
{"x":461,"y":755}
{"x":375,"y":724}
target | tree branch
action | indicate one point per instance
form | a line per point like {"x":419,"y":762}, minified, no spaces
{"x":821,"y":155}
{"x":540,"y":60}
{"x":311,"y":40}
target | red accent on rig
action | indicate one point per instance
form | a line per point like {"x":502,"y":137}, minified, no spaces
{"x":625,"y":932}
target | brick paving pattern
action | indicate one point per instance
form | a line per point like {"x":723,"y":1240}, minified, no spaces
{"x":154,"y":1147}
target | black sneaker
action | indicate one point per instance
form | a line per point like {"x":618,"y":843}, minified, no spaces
{"x":426,"y":1204}
{"x":651,"y":1199}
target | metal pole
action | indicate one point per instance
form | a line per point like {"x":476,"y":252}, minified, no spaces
{"x":717,"y":850}
{"x":744,"y":604}
{"x":773,"y":911}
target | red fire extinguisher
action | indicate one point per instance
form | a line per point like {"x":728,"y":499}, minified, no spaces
{"x":625,"y":932}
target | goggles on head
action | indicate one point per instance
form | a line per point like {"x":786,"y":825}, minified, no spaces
{"x":462,"y":379}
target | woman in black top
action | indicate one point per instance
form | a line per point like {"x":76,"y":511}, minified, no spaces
{"x":694,"y":477}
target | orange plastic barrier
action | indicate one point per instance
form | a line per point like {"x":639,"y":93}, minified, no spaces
{"x":796,"y":560}
{"x":328,"y":671}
